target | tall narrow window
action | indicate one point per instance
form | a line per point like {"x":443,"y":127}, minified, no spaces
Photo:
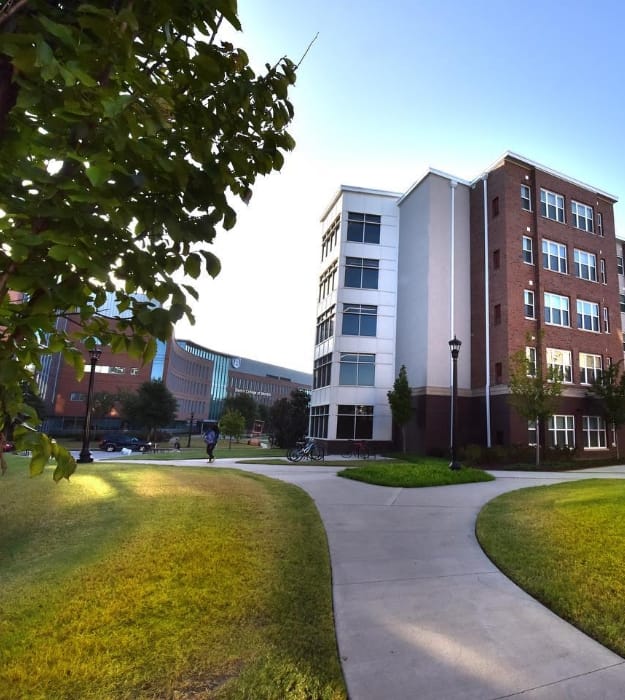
{"x":526,"y":198}
{"x":530,"y":356}
{"x":496,"y":259}
{"x":600,"y":223}
{"x":495,"y":206}
{"x":530,"y":307}
{"x":606,"y":320}
{"x":528,"y":250}
{"x":322,"y":372}
{"x":602,"y":272}
{"x":497,"y":314}
{"x":619,"y":264}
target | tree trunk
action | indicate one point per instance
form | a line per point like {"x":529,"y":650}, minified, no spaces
{"x":537,"y":442}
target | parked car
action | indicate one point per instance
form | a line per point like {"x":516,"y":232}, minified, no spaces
{"x":116,"y":442}
{"x":9,"y":446}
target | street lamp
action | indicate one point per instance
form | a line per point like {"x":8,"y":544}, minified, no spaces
{"x":85,"y":455}
{"x":454,"y":346}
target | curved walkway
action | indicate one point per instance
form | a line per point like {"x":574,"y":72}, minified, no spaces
{"x":422,"y":614}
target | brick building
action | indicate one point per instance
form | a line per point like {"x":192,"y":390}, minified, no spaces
{"x":520,"y":259}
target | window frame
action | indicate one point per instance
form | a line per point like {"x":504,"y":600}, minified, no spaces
{"x":598,"y":430}
{"x":553,"y":430}
{"x":557,"y":205}
{"x":528,"y":250}
{"x":527,"y":198}
{"x":527,"y":295}
{"x":360,"y":313}
{"x":557,"y":252}
{"x":589,"y":371}
{"x":587,"y":313}
{"x":578,"y":265}
{"x":370,"y":226}
{"x":363,"y":265}
{"x":322,"y":371}
{"x":587,"y":217}
{"x":562,"y":360}
{"x":361,"y":418}
{"x":549,"y":309}
{"x":357,"y":366}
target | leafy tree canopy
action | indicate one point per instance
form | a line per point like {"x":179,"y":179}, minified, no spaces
{"x":127,"y":128}
{"x":245,"y":405}
{"x":289,"y":418}
{"x":152,"y":406}
{"x":232,"y":424}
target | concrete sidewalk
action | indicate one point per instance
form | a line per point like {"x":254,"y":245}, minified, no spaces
{"x":422,"y":614}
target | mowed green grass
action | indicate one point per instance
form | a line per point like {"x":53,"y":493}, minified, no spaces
{"x":563,"y":544}
{"x":157,"y":582}
{"x":419,"y":472}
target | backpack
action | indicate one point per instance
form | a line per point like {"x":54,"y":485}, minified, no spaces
{"x":210,"y":436}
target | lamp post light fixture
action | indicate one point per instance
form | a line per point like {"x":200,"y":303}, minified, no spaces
{"x":85,"y":455}
{"x":454,"y":346}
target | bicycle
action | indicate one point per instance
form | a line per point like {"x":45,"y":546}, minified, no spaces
{"x":358,"y":449}
{"x":307,"y":449}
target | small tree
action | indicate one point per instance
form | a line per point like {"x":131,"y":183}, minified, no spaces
{"x":245,"y":405}
{"x":400,"y":401}
{"x":153,"y":406}
{"x":232,"y":423}
{"x":533,"y":393}
{"x":609,"y":387}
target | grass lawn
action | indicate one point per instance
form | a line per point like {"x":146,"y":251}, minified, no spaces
{"x":426,"y":471}
{"x":136,"y":581}
{"x":563,"y":544}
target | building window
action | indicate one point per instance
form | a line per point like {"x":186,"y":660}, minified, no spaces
{"x":498,"y":372}
{"x":602,"y":271}
{"x":554,"y":256}
{"x":361,"y":273}
{"x":530,"y":356}
{"x":619,"y":264}
{"x":587,"y":315}
{"x":496,"y":259}
{"x":360,"y":319}
{"x":327,"y":281}
{"x":330,"y":238}
{"x":134,"y":371}
{"x":531,"y":433}
{"x":552,"y":205}
{"x":561,"y":430}
{"x":590,"y":367}
{"x":325,"y":325}
{"x":582,"y":216}
{"x":606,"y":320}
{"x":497,"y":314}
{"x":77,"y":396}
{"x":354,"y":422}
{"x":530,"y":306}
{"x":526,"y":198}
{"x":319,"y":421}
{"x":600,"y":223}
{"x":528,"y":250}
{"x":559,"y":361}
{"x":322,"y":371}
{"x":363,"y":228}
{"x":495,"y":206}
{"x":594,"y":432}
{"x":622,"y":300}
{"x":357,"y":369}
{"x":585,"y":265}
{"x":557,"y":310}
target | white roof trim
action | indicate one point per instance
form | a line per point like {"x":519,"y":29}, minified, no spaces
{"x":357,"y":190}
{"x":432,"y":171}
{"x":549,"y":171}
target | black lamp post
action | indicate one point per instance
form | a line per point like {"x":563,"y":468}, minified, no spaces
{"x":190,"y":431}
{"x":454,"y":346}
{"x":85,"y":455}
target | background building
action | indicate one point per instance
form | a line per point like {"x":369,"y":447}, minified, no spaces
{"x":198,"y":377}
{"x":519,"y":259}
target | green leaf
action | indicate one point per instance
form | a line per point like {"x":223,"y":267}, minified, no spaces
{"x":98,"y":174}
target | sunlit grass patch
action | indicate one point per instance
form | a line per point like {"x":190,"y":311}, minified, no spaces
{"x":142,"y":582}
{"x":427,"y":471}
{"x":563,"y":544}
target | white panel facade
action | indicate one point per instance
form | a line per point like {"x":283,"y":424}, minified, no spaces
{"x":384,"y":298}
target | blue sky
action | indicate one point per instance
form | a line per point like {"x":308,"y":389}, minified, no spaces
{"x":387,"y":90}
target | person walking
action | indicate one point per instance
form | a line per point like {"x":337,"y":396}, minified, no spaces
{"x":210,"y":438}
